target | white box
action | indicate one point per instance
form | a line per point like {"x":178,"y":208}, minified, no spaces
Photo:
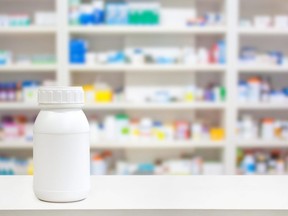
{"x":281,"y":21}
{"x":177,"y":17}
{"x":45,"y":18}
{"x":262,"y":21}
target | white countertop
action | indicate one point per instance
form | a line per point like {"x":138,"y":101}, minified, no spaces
{"x":111,"y":195}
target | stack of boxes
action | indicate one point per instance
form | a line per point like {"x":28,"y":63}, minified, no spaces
{"x":78,"y":49}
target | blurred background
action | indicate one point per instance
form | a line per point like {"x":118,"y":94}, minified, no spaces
{"x":173,"y":87}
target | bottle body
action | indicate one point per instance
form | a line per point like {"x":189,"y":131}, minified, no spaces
{"x":61,"y":155}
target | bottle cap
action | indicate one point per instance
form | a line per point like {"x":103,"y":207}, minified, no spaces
{"x":268,"y":120}
{"x":60,"y":95}
{"x":254,"y":80}
{"x":97,"y":157}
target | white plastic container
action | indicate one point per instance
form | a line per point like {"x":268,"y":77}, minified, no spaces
{"x":110,"y":128}
{"x":196,"y":131}
{"x":61,"y":146}
{"x":248,"y":128}
{"x":98,"y":165}
{"x":254,"y":85}
{"x":268,"y":129}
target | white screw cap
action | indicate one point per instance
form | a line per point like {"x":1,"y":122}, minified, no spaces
{"x":57,"y":95}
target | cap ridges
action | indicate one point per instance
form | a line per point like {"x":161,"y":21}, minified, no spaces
{"x":60,"y":95}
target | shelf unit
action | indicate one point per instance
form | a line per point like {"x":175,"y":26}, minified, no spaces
{"x":24,"y":145}
{"x":263,"y":69}
{"x":18,"y":106}
{"x":156,"y":106}
{"x":126,"y":106}
{"x":31,"y":30}
{"x":146,"y":68}
{"x":66,"y":74}
{"x":16,"y":145}
{"x":252,"y":31}
{"x":27,"y":68}
{"x":128,"y":30}
{"x":264,"y":39}
{"x":262,"y":143}
{"x":264,"y":106}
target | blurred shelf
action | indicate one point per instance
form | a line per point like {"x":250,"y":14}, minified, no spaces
{"x":258,"y":143}
{"x":263,"y":68}
{"x":116,"y":30}
{"x":262,"y":31}
{"x":128,"y":145}
{"x":28,"y":68}
{"x":263,"y":106}
{"x":145,"y":68}
{"x":156,"y":106}
{"x":28,"y":30}
{"x":158,"y":144}
{"x":17,"y":144}
{"x":18,"y":106}
{"x":126,"y":106}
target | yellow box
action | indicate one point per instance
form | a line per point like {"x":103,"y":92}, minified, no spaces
{"x":217,"y":134}
{"x":189,"y":97}
{"x":103,"y":96}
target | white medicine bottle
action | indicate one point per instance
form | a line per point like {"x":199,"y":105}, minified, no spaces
{"x":61,"y":150}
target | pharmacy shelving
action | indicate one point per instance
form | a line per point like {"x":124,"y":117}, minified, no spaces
{"x":204,"y":144}
{"x":229,"y":73}
{"x":67,"y":74}
{"x":31,"y":30}
{"x":15,"y":145}
{"x":258,"y":143}
{"x":159,"y":145}
{"x":263,"y":106}
{"x":18,"y":106}
{"x":115,"y":30}
{"x":263,"y":38}
{"x":262,"y":31}
{"x":145,"y":68}
{"x":125,"y":106}
{"x":263,"y":68}
{"x":157,"y":106}
{"x":28,"y":68}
